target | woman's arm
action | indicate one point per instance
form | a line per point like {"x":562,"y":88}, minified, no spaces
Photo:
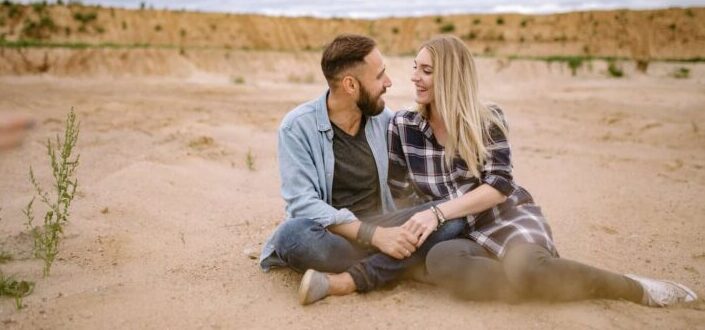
{"x":482,"y":198}
{"x":497,"y":185}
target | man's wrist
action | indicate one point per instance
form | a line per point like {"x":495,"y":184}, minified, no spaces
{"x":375,"y":237}
{"x":365,"y":234}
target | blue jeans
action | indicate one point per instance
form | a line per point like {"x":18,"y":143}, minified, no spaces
{"x":304,"y":244}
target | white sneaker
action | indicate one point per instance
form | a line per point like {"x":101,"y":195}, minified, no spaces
{"x":660,"y":293}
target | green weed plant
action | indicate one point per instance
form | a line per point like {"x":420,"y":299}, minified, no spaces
{"x":9,"y":287}
{"x":614,"y":70}
{"x":250,"y":160}
{"x":63,"y":165}
{"x":681,"y":73}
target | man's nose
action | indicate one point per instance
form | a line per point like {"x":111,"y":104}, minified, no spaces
{"x":388,"y":82}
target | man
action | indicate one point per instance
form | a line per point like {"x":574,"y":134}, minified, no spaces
{"x":333,"y":165}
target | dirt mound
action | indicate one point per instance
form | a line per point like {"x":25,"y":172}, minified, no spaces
{"x":652,"y":34}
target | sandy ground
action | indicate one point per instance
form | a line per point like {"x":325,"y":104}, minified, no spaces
{"x":167,"y":206}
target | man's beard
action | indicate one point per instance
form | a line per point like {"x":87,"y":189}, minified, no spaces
{"x":368,"y":105}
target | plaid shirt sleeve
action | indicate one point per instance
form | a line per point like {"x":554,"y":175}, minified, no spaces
{"x":497,"y":170}
{"x":398,"y":179}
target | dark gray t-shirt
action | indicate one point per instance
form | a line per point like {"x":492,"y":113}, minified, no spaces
{"x":355,"y":178}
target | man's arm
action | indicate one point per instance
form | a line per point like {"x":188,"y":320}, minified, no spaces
{"x":396,"y":242}
{"x":298,"y":182}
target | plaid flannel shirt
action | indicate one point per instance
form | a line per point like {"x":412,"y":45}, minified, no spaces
{"x":417,"y":166}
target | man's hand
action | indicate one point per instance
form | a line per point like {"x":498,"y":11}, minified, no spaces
{"x":397,"y":242}
{"x":421,"y":224}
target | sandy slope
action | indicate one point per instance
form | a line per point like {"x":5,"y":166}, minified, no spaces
{"x":167,"y":205}
{"x":657,"y":34}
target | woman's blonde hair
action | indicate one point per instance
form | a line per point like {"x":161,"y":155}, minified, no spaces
{"x":455,"y":88}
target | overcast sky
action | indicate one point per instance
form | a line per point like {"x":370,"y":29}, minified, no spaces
{"x":377,"y":8}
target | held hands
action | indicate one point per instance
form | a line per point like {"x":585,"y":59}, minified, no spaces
{"x":397,"y":242}
{"x":421,"y":225}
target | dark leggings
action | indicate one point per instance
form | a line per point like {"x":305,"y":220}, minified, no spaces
{"x":527,"y":271}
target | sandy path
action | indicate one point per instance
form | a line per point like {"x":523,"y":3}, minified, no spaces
{"x":167,"y":204}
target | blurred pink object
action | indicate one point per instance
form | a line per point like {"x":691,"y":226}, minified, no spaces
{"x":13,"y":129}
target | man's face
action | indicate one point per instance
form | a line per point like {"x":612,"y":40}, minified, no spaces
{"x":374,"y":82}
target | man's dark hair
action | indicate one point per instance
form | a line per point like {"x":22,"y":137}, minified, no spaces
{"x":345,"y":52}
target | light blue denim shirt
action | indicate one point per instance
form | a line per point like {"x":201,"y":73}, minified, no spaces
{"x":306,"y":163}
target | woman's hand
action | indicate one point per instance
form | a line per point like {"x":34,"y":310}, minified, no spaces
{"x":421,"y":224}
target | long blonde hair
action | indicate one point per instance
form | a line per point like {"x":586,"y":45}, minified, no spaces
{"x":455,"y":88}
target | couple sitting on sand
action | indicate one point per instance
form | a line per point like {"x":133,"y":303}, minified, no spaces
{"x":371,"y":194}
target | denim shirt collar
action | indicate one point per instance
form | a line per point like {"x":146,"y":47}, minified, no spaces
{"x":322,"y":120}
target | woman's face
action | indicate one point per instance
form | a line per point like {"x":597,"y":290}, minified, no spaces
{"x":422,"y":77}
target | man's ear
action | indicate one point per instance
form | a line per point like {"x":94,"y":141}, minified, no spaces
{"x":349,"y":84}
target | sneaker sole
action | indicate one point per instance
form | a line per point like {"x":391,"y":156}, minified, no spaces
{"x":304,"y":286}
{"x":691,"y":293}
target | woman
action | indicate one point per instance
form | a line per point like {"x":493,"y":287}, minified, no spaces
{"x":454,"y":148}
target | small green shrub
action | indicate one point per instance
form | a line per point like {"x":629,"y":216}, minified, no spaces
{"x":447,"y":28}
{"x":614,"y":70}
{"x":124,"y":25}
{"x":395,"y":30}
{"x":5,"y":257}
{"x":39,"y":7}
{"x":574,"y":63}
{"x":681,"y":73}
{"x":500,"y":20}
{"x":239,"y":80}
{"x":85,"y":18}
{"x":63,"y":165}
{"x":438,"y":19}
{"x":524,"y":22}
{"x":476,"y":21}
{"x":250,"y":160}
{"x":157,"y":27}
{"x":10,"y":287}
{"x":470,"y":36}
